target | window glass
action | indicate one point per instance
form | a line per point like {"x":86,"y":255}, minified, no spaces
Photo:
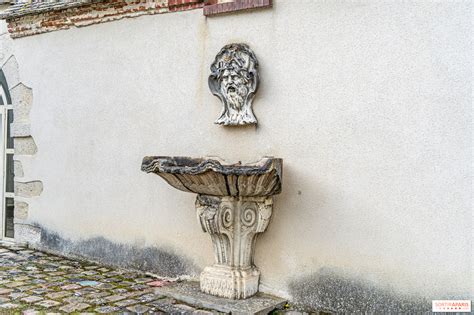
{"x":9,"y":209}
{"x":9,"y":121}
{"x":9,"y":174}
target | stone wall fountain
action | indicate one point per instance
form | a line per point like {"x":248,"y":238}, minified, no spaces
{"x":234,"y":201}
{"x":234,"y":204}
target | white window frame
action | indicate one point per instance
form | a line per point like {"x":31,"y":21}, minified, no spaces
{"x":4,"y":151}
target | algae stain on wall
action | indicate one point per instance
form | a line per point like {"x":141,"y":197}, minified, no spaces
{"x":159,"y":261}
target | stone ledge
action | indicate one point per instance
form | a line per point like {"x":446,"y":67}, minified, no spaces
{"x":190,"y":293}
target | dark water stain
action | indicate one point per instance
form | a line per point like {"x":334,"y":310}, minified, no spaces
{"x":162,"y":262}
{"x":328,"y":291}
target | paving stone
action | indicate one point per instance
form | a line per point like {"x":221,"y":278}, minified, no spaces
{"x":55,"y":279}
{"x":109,"y":280}
{"x":74,"y":300}
{"x":4,"y":299}
{"x":91,"y":267}
{"x":55,"y":284}
{"x":70,"y":287}
{"x":97,"y":301}
{"x":120,"y":291}
{"x":139,"y":287}
{"x":138,"y":309}
{"x":106,"y":286}
{"x":9,"y":305}
{"x":135,"y":294}
{"x":169,"y":305}
{"x":22,"y":278}
{"x":202,"y":312}
{"x":73,"y":275}
{"x":88,"y":283}
{"x":55,"y":258}
{"x":85,"y":291}
{"x":127,"y":283}
{"x":96,"y":295}
{"x":113,"y":273}
{"x":149,"y":297}
{"x":143,"y":280}
{"x":40,"y":291}
{"x":15,"y":284}
{"x":81,"y":306}
{"x":114,"y":298}
{"x":69,"y":308}
{"x":31,"y":299}
{"x":96,"y":277}
{"x":17,"y":295}
{"x":58,"y":295}
{"x":106,"y":309}
{"x":124,"y":303}
{"x":48,"y":303}
{"x":38,"y":281}
{"x":5,"y":291}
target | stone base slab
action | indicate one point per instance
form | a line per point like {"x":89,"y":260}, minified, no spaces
{"x":190,"y":293}
{"x":230,"y":282}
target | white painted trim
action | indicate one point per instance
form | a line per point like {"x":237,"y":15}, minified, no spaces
{"x":3,"y":154}
{"x":3,"y":130}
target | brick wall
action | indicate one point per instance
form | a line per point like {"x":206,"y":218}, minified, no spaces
{"x":37,"y":22}
{"x":94,"y":13}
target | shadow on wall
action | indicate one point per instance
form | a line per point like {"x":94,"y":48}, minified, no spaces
{"x":151,"y":259}
{"x":327,"y":290}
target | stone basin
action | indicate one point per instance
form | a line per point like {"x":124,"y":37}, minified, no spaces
{"x":215,"y":177}
{"x":234,"y":204}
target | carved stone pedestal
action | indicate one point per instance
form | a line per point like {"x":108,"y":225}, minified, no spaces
{"x":233,"y":223}
{"x":234,"y":204}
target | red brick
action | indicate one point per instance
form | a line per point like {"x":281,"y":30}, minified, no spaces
{"x":237,"y":5}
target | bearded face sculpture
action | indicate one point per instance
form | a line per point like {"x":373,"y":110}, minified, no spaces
{"x":234,"y":80}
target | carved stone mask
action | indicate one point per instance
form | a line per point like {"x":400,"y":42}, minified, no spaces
{"x":234,"y":80}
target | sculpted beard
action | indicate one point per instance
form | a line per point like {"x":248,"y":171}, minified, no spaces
{"x":235,"y":96}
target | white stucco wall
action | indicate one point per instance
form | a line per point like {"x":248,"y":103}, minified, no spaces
{"x":369,"y":103}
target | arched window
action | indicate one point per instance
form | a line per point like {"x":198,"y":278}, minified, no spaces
{"x":6,"y":161}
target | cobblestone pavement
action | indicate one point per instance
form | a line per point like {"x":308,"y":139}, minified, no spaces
{"x":33,"y":282}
